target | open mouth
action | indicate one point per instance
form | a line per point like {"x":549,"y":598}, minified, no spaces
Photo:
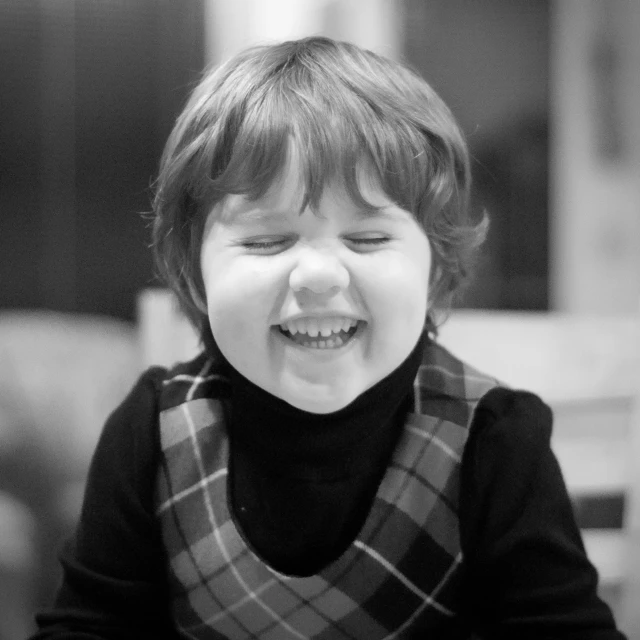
{"x":320,"y":333}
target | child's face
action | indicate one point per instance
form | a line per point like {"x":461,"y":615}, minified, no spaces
{"x":277,"y":282}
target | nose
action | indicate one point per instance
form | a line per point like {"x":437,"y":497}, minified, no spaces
{"x":319,"y":272}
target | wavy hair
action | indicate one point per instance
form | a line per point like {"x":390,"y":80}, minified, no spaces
{"x":344,"y":107}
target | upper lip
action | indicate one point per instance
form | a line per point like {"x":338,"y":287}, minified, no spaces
{"x":322,"y":315}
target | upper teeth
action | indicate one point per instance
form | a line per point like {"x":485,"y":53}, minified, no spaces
{"x":314,"y":326}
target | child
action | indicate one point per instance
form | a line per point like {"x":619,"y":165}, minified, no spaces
{"x":324,"y":469}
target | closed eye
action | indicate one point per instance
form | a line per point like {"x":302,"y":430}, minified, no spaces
{"x":368,"y":241}
{"x":266,"y":244}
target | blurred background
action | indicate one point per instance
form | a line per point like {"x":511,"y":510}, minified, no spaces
{"x":547,"y":91}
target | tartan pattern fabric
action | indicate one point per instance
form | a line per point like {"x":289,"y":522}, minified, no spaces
{"x":398,"y":579}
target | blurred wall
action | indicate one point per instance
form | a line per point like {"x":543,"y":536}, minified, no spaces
{"x":90,"y":89}
{"x":595,"y":156}
{"x":489,"y":60}
{"x":547,"y":91}
{"x":231,"y":26}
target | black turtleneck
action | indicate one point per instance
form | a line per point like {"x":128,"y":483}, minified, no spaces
{"x":302,"y":483}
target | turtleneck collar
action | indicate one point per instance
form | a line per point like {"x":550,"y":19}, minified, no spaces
{"x":285,"y":441}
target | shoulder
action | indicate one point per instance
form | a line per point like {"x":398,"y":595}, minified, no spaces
{"x":448,"y":389}
{"x":507,"y":457}
{"x":508,"y":421}
{"x":131,"y":432}
{"x":507,"y":432}
{"x":497,"y":414}
{"x":128,"y":441}
{"x":137,"y":409}
{"x":128,"y":451}
{"x":442,"y":373}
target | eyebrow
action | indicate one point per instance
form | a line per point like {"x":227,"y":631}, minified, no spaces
{"x":254,"y":214}
{"x":385,"y":212}
{"x":250,"y":215}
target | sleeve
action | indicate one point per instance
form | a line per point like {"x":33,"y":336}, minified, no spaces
{"x":114,"y":582}
{"x":527,"y":572}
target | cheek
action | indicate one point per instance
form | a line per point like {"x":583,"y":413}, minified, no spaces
{"x":230,"y":308}
{"x":399,"y":287}
{"x":239,"y":302}
{"x":402,"y":313}
{"x":233,"y":326}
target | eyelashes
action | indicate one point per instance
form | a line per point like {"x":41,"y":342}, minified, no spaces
{"x":370,"y":241}
{"x":264,"y":244}
{"x":275,"y":244}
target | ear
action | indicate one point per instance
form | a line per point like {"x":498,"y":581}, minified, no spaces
{"x":435,"y":270}
{"x":199,"y":298}
{"x":430,"y":325}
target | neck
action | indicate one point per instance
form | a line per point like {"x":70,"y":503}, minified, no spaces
{"x":281,"y":439}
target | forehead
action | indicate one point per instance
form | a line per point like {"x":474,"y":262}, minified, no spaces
{"x":289,"y":194}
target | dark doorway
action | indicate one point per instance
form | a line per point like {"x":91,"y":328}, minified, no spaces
{"x":489,"y":60}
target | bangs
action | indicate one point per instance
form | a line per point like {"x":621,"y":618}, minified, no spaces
{"x":339,"y":128}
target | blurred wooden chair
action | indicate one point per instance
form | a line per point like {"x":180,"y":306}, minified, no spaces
{"x":17,"y":561}
{"x":165,"y":335}
{"x":587,"y":368}
{"x":60,"y":377}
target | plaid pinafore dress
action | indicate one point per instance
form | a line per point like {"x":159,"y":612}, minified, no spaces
{"x":398,"y":579}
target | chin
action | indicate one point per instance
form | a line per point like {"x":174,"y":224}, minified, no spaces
{"x":319,"y":404}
